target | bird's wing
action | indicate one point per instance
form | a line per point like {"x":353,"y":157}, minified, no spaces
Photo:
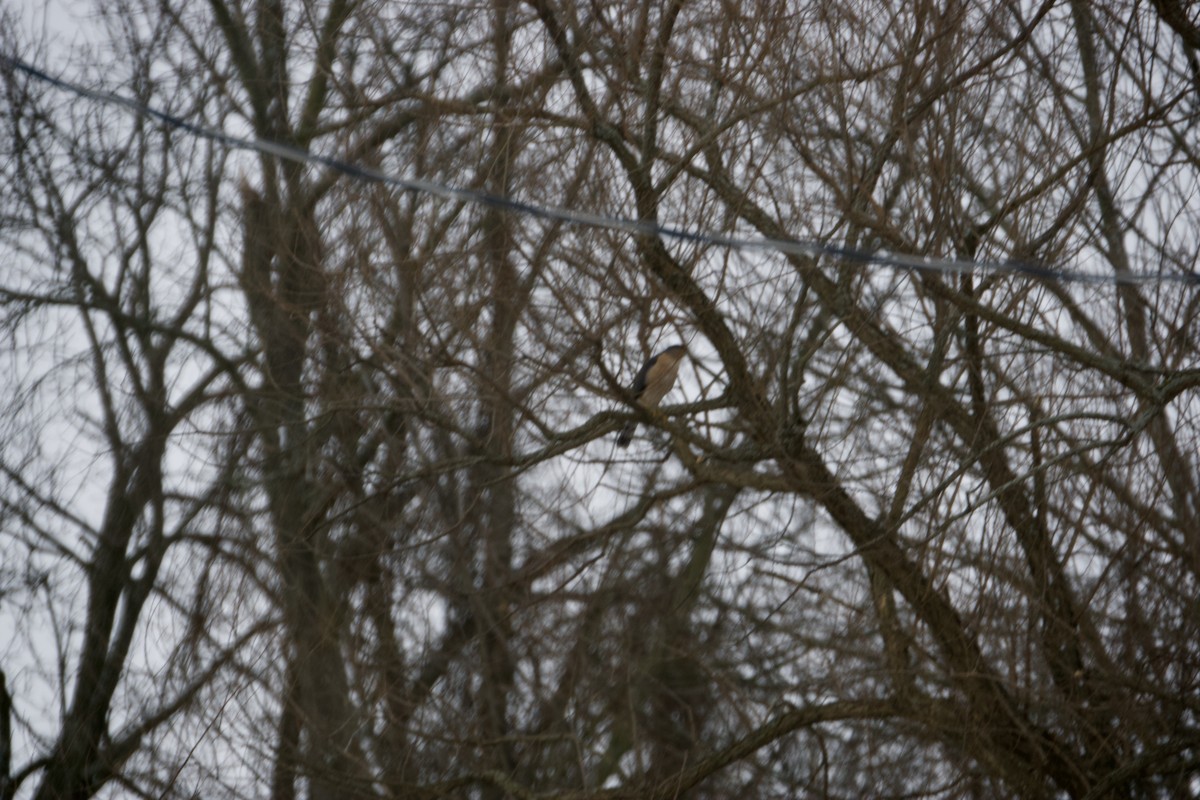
{"x":639,"y":381}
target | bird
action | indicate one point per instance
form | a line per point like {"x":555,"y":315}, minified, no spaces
{"x":652,"y":383}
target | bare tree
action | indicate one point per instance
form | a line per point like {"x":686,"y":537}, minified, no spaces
{"x":309,"y":481}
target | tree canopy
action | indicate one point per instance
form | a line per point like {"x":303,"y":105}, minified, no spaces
{"x":309,"y":486}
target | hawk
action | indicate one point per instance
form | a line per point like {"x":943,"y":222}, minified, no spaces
{"x":652,"y":383}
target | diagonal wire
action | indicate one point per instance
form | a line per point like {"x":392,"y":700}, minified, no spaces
{"x":881,"y":257}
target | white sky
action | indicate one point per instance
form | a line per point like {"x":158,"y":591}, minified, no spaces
{"x":54,"y":16}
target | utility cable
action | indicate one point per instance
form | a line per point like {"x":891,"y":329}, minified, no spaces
{"x":881,"y":257}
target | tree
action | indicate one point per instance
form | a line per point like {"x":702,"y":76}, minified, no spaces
{"x":330,"y":461}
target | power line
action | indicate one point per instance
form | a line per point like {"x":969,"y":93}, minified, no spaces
{"x":899,"y":261}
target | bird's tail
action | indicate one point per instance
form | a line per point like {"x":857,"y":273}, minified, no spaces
{"x":626,"y":434}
